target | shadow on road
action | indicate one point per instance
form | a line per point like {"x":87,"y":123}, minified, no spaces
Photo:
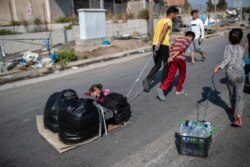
{"x":189,"y":59}
{"x":158,"y":80}
{"x":215,"y":99}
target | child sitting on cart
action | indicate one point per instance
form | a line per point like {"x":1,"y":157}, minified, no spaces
{"x":98,"y":92}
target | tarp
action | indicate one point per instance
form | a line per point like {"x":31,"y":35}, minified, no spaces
{"x":52,"y":138}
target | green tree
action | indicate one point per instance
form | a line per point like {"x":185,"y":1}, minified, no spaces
{"x":210,"y":6}
{"x":222,"y":5}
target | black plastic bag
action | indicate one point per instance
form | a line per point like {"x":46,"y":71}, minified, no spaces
{"x":120,"y":107}
{"x":78,"y":120}
{"x":51,"y":110}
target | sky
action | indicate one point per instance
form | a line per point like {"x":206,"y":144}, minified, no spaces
{"x":246,"y":3}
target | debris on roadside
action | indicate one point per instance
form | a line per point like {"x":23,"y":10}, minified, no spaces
{"x":106,"y":42}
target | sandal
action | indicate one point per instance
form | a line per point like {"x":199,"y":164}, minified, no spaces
{"x":237,"y":123}
{"x":203,"y":56}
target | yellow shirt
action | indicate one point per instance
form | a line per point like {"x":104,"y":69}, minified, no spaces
{"x":158,"y":30}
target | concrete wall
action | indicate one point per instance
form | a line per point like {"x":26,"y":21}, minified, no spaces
{"x":5,"y":15}
{"x":135,"y":7}
{"x":60,"y":8}
{"x":57,"y":37}
{"x":53,"y":10}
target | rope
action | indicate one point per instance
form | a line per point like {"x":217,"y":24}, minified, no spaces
{"x":138,"y":78}
{"x":212,"y":88}
{"x":141,"y":90}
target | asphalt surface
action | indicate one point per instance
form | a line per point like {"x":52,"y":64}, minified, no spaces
{"x":148,"y":140}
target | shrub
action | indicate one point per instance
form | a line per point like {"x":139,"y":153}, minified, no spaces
{"x":25,"y":23}
{"x":143,"y":14}
{"x":65,"y":56}
{"x":15,"y":23}
{"x":211,"y":31}
{"x":145,"y":40}
{"x":63,"y":20}
{"x":130,"y":16}
{"x":37,"y":21}
{"x":69,"y":27}
{"x":6,"y":32}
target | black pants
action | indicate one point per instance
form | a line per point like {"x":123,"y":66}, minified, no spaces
{"x":161,"y":57}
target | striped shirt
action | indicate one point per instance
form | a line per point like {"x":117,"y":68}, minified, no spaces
{"x":180,"y":45}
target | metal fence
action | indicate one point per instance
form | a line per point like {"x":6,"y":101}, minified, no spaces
{"x":114,"y":8}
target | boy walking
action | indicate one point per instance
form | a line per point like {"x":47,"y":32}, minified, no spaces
{"x":196,"y":26}
{"x":161,"y":42}
{"x":176,"y":61}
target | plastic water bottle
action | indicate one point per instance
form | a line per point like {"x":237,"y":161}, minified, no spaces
{"x":204,"y":133}
{"x":190,"y":127}
{"x":182,"y":129}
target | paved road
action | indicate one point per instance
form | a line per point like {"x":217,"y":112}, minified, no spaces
{"x":149,"y":138}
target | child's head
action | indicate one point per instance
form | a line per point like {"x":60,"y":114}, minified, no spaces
{"x":235,"y":36}
{"x":195,"y":14}
{"x":172,"y":12}
{"x":95,"y":90}
{"x":190,"y":35}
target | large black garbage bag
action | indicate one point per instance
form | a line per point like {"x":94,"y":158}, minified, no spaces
{"x":50,"y":114}
{"x":120,"y":107}
{"x":78,"y":120}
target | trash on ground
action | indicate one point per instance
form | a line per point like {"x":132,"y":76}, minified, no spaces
{"x":74,"y":67}
{"x":28,"y":56}
{"x":106,"y":42}
{"x":12,"y":64}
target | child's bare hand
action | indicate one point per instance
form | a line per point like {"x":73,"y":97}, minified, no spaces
{"x":170,"y":59}
{"x":216,"y":69}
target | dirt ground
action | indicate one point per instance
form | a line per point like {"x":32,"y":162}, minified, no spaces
{"x":115,"y":47}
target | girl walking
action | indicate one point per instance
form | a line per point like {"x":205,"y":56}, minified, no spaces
{"x":234,"y":67}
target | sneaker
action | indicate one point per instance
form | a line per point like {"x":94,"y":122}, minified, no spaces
{"x":146,"y":85}
{"x":181,"y":93}
{"x":161,"y":95}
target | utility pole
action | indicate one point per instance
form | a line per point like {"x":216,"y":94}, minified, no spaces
{"x":12,"y":20}
{"x":45,"y":20}
{"x":101,"y":4}
{"x":151,"y":19}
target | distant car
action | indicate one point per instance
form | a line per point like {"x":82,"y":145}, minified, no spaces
{"x":221,"y":24}
{"x":231,"y":20}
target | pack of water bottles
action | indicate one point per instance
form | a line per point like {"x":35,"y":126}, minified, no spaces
{"x":194,"y":137}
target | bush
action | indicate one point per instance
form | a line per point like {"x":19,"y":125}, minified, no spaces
{"x":120,"y":16}
{"x":69,"y":27}
{"x":37,"y":21}
{"x":130,"y":16}
{"x":211,"y":31}
{"x":143,"y":14}
{"x":145,"y":40}
{"x":63,"y":20}
{"x":15,"y":23}
{"x":25,"y":23}
{"x":6,"y":32}
{"x":65,"y":56}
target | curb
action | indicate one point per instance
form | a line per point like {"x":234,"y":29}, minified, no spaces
{"x":71,"y":71}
